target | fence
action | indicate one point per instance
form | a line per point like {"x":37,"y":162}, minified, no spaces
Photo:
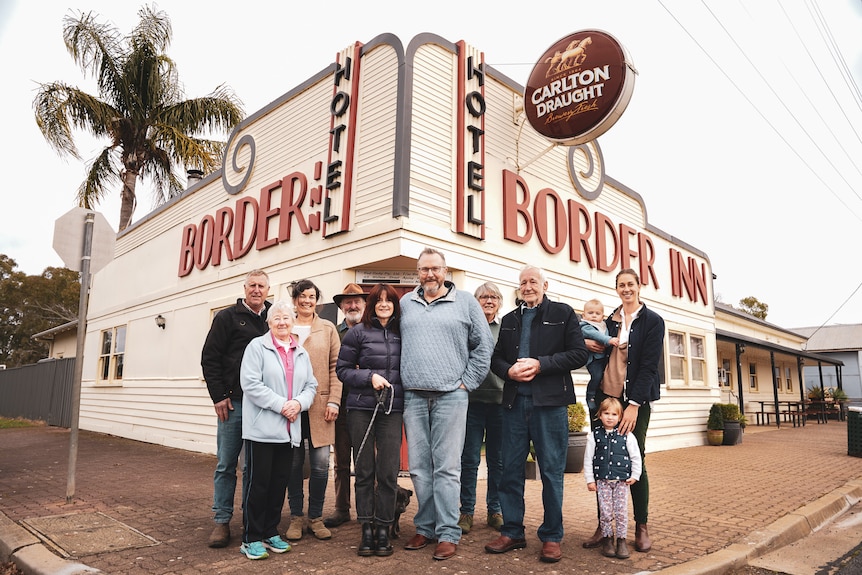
{"x":42,"y":392}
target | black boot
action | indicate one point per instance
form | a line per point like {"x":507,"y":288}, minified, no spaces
{"x":384,"y":547}
{"x":367,"y":545}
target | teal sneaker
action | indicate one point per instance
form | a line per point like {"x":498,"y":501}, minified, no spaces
{"x":254,"y":550}
{"x":276,"y":544}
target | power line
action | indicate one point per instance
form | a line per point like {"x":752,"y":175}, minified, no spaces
{"x":757,"y":109}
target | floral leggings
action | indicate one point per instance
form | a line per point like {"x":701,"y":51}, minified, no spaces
{"x":613,"y":507}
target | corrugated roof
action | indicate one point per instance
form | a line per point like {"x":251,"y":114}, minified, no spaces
{"x":49,"y":334}
{"x":833,"y":337}
{"x":721,"y":334}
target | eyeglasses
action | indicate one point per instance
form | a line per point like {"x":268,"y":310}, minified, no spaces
{"x":489,"y":297}
{"x":435,"y":270}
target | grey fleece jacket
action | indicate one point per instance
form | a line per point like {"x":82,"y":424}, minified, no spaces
{"x":444,"y":343}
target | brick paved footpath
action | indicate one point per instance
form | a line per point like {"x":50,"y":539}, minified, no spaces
{"x":702,"y":500}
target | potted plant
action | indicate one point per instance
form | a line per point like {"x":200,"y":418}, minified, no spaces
{"x":715,"y":425}
{"x":577,"y":416}
{"x":732,"y":427}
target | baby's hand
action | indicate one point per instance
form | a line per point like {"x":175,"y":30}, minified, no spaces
{"x":614,"y":341}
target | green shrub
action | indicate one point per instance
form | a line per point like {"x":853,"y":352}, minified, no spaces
{"x":716,"y":419}
{"x":577,"y":417}
{"x":730,"y":411}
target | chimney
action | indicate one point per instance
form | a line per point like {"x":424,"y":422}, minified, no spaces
{"x":193,"y":177}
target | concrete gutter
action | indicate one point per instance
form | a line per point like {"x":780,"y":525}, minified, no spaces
{"x":28,"y":553}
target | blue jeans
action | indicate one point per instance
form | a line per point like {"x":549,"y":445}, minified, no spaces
{"x":547,"y":427}
{"x":318,"y":458}
{"x":435,"y":424}
{"x":228,"y":447}
{"x":484,"y":421}
{"x":596,"y":368}
{"x":377,"y":464}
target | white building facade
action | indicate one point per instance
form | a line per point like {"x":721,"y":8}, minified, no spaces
{"x":346,"y":178}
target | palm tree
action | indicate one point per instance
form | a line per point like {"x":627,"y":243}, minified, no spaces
{"x":140,"y":108}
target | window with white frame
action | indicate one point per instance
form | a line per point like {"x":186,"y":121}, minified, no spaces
{"x":676,"y":350}
{"x":687,"y":358}
{"x":726,"y":368}
{"x":788,"y":379}
{"x":752,"y":375}
{"x":698,"y":358}
{"x":111,"y":352}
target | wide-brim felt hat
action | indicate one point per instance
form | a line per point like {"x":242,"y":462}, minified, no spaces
{"x":350,"y":290}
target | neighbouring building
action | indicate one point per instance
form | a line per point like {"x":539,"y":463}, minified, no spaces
{"x":838,"y":342}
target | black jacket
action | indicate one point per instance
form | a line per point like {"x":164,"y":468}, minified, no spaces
{"x":555,"y":340}
{"x":221,"y":357}
{"x":365,"y":351}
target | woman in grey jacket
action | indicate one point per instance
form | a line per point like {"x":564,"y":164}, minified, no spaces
{"x":277,"y":384}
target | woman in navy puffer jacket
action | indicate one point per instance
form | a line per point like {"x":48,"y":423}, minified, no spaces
{"x":368,"y":364}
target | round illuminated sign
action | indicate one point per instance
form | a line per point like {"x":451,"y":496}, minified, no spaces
{"x":579,"y":88}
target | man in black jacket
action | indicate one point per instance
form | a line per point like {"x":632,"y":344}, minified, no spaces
{"x":540,"y":343}
{"x":221,"y":357}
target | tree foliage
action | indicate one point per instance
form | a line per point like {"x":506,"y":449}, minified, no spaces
{"x":32,"y":304}
{"x":151,"y":129}
{"x":751,"y":305}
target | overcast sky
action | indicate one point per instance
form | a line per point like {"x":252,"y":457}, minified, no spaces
{"x":742,"y":135}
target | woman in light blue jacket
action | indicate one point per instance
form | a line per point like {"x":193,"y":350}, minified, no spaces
{"x":277,"y":384}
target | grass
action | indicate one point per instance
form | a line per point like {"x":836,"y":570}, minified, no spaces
{"x":6,"y":423}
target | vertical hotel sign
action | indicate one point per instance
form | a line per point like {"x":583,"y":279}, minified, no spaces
{"x":579,"y":87}
{"x":338,"y":200}
{"x":469,"y":199}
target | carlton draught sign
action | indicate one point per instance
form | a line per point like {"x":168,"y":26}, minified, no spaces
{"x":579,"y":88}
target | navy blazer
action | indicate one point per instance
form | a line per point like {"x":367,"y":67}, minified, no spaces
{"x":645,"y":349}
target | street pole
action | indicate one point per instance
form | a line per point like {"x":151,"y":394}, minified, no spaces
{"x":89,"y":218}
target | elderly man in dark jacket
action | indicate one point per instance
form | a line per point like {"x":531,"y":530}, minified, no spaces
{"x":232,"y":328}
{"x":540,"y":343}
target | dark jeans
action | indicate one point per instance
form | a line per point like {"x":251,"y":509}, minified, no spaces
{"x":547,"y":427}
{"x":378,"y":462}
{"x":640,"y":489}
{"x":484,"y":422}
{"x":341,"y":452}
{"x":268,"y":466}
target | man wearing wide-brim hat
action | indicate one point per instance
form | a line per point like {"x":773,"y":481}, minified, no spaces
{"x":352,"y":304}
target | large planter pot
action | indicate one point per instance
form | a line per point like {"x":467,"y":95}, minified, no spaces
{"x":715,"y":436}
{"x":732,"y":433}
{"x":575,"y":451}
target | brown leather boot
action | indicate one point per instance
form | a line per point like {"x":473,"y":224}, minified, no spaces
{"x":642,"y":540}
{"x":608,"y":548}
{"x":593,"y":541}
{"x":220,"y":537}
{"x":622,"y":549}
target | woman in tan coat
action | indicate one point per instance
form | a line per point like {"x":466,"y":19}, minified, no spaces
{"x":320,"y":339}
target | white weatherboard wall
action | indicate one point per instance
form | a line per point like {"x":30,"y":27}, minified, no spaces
{"x":405,"y":115}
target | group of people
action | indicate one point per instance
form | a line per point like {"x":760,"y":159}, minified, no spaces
{"x":441,"y":363}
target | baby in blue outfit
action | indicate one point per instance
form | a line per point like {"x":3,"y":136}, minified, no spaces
{"x":593,"y":327}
